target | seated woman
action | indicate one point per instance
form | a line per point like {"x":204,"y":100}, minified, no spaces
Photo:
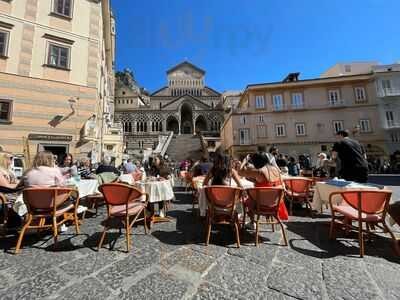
{"x":7,"y":178}
{"x":263,"y":175}
{"x":85,"y":170}
{"x":159,"y":169}
{"x":43,"y":173}
{"x":68,"y":168}
{"x":8,"y":186}
{"x":221,"y":173}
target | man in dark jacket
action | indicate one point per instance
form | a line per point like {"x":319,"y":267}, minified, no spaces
{"x":353,"y":160}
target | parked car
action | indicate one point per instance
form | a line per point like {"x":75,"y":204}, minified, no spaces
{"x":17,"y":166}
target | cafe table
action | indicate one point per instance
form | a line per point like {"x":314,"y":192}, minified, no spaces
{"x":324,"y":189}
{"x":84,"y":187}
{"x":126,"y":178}
{"x":159,"y":190}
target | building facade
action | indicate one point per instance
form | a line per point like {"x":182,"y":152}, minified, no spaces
{"x":56,"y":76}
{"x":387,"y":80}
{"x":302,"y":116}
{"x":185,"y":106}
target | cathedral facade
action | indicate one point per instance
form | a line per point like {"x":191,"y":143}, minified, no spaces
{"x":185,"y":106}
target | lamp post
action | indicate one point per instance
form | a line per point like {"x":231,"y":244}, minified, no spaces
{"x":74,"y":105}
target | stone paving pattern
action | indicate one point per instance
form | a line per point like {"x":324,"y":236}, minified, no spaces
{"x":173,"y":263}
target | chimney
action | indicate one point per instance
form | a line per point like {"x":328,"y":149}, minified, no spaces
{"x":292,"y":77}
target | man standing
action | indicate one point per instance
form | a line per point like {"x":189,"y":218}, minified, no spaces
{"x":272,"y":155}
{"x":353,"y":162}
{"x":129,"y":167}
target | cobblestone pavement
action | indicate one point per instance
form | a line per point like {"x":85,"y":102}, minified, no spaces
{"x":174,"y":263}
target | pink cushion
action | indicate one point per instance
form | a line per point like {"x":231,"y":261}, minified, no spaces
{"x":63,"y":210}
{"x":352,"y":213}
{"x":133,"y":209}
{"x":297,"y":195}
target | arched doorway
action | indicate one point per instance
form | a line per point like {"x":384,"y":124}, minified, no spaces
{"x":186,"y":119}
{"x":201,"y":124}
{"x":173,"y":125}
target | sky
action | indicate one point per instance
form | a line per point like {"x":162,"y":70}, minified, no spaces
{"x":241,"y":42}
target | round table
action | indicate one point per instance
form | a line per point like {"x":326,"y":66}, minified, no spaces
{"x":127,"y":178}
{"x":85,"y":187}
{"x":158,"y":190}
{"x":324,"y":189}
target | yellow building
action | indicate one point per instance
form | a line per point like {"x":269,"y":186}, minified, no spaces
{"x":56,"y":77}
{"x":302,"y":116}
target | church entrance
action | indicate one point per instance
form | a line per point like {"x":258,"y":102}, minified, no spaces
{"x":201,"y":124}
{"x":173,"y":125}
{"x":186,"y":119}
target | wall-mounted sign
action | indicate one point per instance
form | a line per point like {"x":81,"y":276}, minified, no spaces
{"x":50,"y":137}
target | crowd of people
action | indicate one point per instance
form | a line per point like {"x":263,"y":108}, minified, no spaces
{"x":347,"y":160}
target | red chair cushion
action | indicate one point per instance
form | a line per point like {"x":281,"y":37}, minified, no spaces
{"x":133,"y":209}
{"x":352,"y":214}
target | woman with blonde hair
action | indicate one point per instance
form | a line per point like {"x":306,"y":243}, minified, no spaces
{"x":8,"y":186}
{"x":43,"y":172}
{"x":7,"y":178}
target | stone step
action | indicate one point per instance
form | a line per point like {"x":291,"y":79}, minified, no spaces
{"x":183,"y":147}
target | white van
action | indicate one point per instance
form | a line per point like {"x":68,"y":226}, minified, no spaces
{"x":17,"y":166}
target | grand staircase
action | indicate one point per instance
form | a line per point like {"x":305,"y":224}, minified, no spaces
{"x":185,"y":146}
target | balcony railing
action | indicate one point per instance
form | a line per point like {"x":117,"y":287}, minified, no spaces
{"x":336,"y":103}
{"x":281,"y":107}
{"x":392,"y":124}
{"x":297,"y":106}
{"x":389,"y":92}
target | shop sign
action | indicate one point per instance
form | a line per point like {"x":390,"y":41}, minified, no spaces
{"x":50,"y":137}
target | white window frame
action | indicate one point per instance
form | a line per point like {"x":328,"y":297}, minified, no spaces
{"x":395,"y":136}
{"x":55,"y":6}
{"x":302,"y":127}
{"x":260,"y":101}
{"x":260,"y":119}
{"x":334,"y":96}
{"x":6,"y":42}
{"x":295,"y":100}
{"x":245,"y":139}
{"x":280,"y":130}
{"x":278,"y":105}
{"x":242,"y":120}
{"x":48,"y":62}
{"x":386,"y":84}
{"x":10,"y":111}
{"x":335,"y":127}
{"x":262,"y":131}
{"x":360,"y":94}
{"x":389,"y":114}
{"x":365,"y":126}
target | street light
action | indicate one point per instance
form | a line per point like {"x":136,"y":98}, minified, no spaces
{"x":72,"y":101}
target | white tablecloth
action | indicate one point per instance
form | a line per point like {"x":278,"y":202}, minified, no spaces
{"x":203,"y":198}
{"x":158,"y":190}
{"x":85,"y":187}
{"x":127,"y":178}
{"x":323,"y":190}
